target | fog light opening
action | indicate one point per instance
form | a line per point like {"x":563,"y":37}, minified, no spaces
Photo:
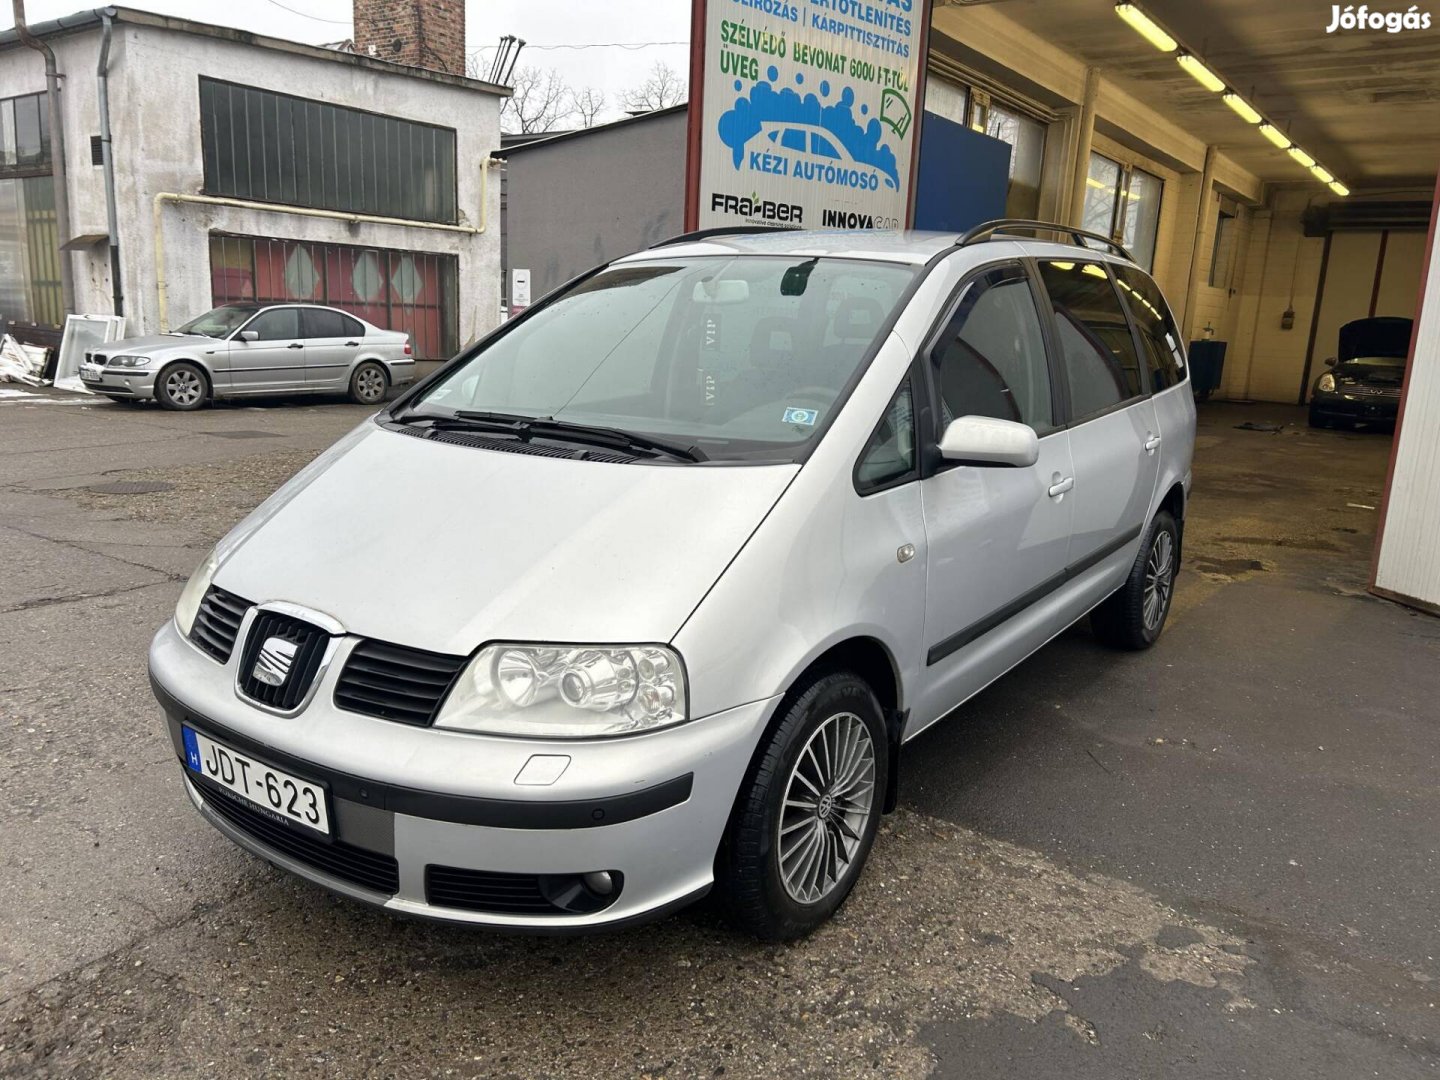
{"x":599,"y":882}
{"x":582,"y":894}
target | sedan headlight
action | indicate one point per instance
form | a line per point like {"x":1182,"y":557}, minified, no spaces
{"x":567,"y":691}
{"x":194,"y":592}
{"x":130,"y":361}
{"x":1326,"y":383}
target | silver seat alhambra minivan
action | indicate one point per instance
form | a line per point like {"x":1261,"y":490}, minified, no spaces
{"x":644,"y":595}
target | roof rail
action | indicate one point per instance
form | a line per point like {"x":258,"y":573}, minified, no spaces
{"x":723,"y":230}
{"x":988,"y":229}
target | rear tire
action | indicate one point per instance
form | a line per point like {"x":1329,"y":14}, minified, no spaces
{"x":182,"y":387}
{"x":1134,"y":615}
{"x":368,"y":384}
{"x":806,"y":816}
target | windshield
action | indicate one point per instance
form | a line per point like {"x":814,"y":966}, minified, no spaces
{"x":743,"y":357}
{"x":220,"y":322}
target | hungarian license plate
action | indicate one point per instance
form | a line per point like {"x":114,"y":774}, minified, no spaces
{"x":90,"y":373}
{"x":280,"y":794}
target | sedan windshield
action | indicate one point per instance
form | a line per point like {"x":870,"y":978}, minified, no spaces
{"x":739,"y":357}
{"x":220,"y":322}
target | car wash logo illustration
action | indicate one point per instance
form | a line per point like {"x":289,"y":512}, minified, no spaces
{"x":1351,"y":17}
{"x":782,"y":133}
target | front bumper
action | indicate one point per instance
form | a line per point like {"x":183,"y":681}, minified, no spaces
{"x":133,"y":383}
{"x":1356,"y":407}
{"x":652,"y":807}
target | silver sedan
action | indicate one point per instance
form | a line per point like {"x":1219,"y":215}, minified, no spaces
{"x":247,"y":349}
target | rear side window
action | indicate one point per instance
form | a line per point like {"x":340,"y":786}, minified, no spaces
{"x":1101,"y":366}
{"x":1159,"y":336}
{"x":278,"y":324}
{"x":321,"y":323}
{"x":990,"y":360}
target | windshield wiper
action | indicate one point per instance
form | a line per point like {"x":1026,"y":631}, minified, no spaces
{"x":617,"y":437}
{"x":545,"y":427}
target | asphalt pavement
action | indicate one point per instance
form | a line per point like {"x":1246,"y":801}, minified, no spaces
{"x":1216,"y":858}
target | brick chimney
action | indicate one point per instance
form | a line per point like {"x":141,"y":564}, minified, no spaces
{"x":421,"y":33}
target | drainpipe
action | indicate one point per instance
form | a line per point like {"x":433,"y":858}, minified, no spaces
{"x":102,"y":79}
{"x":57,"y":153}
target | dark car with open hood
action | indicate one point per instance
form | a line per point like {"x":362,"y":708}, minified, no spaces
{"x":1366,"y":374}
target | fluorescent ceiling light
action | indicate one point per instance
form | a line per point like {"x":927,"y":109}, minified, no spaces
{"x":1202,"y":74}
{"x":1063,"y":265}
{"x":1243,"y":108}
{"x":1098,"y":184}
{"x":1322,"y":174}
{"x":1275,"y":135}
{"x":1093,"y":270}
{"x":1146,"y":27}
{"x":1339,"y":188}
{"x":1300,"y":156}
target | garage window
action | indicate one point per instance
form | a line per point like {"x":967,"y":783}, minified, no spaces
{"x":258,"y":144}
{"x":1123,"y":203}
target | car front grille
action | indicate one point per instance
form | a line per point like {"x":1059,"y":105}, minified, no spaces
{"x":359,"y":866}
{"x":217,"y":623}
{"x":305,"y":645}
{"x":485,"y":890}
{"x":396,"y":683}
{"x":1362,"y":390}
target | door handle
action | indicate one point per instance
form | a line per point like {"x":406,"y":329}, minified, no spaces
{"x":1151,"y":443}
{"x":295,"y":345}
{"x":352,"y":344}
{"x":1061,"y":486}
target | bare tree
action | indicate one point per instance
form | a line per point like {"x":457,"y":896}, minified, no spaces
{"x":540,"y":100}
{"x":586,"y":105}
{"x":664,"y":87}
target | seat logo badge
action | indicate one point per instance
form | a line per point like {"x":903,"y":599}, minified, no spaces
{"x":276,"y":657}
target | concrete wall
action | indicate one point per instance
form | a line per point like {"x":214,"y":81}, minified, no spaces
{"x":579,"y":200}
{"x":155,"y":117}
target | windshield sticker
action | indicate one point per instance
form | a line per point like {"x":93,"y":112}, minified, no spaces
{"x":802,"y":416}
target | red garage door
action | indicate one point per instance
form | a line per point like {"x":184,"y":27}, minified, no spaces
{"x":412,"y":291}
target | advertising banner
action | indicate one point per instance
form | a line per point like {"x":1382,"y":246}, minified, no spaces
{"x":804,"y":113}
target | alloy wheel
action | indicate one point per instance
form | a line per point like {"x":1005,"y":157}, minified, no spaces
{"x":183,"y":387}
{"x":1159,"y":578}
{"x":828,"y":801}
{"x":370,"y":385}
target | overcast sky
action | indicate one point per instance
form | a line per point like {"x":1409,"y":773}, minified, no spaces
{"x":539,"y":22}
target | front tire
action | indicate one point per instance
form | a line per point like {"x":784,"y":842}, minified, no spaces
{"x":1134,"y":615}
{"x":182,"y":387}
{"x":806,"y":817}
{"x":368,"y":384}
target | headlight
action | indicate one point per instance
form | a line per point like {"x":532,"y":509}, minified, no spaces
{"x":567,"y":691}
{"x":1326,"y":383}
{"x":130,"y":361}
{"x":194,"y":592}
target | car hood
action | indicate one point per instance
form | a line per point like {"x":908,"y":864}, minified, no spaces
{"x":1381,"y":335}
{"x":149,"y":346}
{"x":445,"y":547}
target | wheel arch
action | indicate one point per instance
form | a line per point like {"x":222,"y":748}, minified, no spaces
{"x":870,"y":659}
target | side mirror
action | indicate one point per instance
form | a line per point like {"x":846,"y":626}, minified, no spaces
{"x":984,"y":440}
{"x":249,"y":335}
{"x":1330,"y":361}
